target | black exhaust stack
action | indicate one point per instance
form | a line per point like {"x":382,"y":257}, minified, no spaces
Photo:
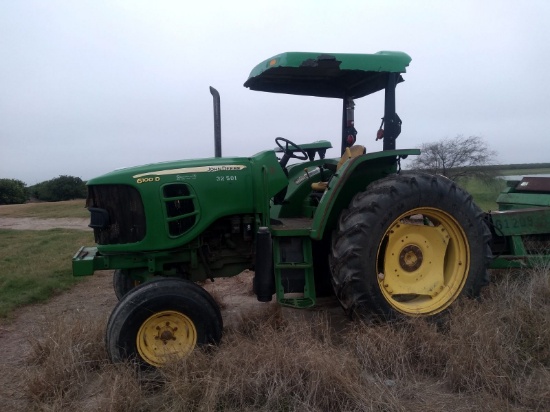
{"x":217,"y":123}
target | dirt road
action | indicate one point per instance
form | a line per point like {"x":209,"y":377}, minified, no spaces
{"x":31,"y":223}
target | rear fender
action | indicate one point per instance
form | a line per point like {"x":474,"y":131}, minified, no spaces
{"x":353,"y":177}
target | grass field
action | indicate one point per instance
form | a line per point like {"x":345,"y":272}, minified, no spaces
{"x":526,"y":171}
{"x":484,"y":193}
{"x":47,"y":210}
{"x":34,"y":265}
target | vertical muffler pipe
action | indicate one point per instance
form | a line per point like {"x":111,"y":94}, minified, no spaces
{"x":217,"y":123}
{"x":264,"y":281}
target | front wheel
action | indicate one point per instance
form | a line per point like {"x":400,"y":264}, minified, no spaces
{"x":410,"y":244}
{"x":162,"y":321}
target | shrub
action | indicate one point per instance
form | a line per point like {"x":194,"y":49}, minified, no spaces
{"x":61,"y":188}
{"x":12,"y":191}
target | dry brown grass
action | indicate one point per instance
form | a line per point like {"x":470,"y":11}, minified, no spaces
{"x":64,"y":362}
{"x":492,"y":355}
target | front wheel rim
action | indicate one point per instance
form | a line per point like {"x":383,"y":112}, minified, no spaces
{"x":166,"y":336}
{"x":423,"y":261}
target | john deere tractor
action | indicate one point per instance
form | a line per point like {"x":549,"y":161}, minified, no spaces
{"x":384,"y":241}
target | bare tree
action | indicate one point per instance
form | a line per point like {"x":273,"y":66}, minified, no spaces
{"x":456,"y":158}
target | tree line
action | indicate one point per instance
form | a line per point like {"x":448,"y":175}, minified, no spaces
{"x":14,"y":191}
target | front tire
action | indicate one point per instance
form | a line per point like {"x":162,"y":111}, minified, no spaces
{"x":411,"y":244}
{"x":162,"y":321}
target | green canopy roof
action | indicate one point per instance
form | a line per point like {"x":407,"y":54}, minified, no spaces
{"x":327,"y":74}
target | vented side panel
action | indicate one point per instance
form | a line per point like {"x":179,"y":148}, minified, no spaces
{"x":126,"y":215}
{"x":180,"y":208}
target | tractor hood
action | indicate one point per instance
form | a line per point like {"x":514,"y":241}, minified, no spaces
{"x":166,"y":205}
{"x":178,"y":170}
{"x":327,"y":74}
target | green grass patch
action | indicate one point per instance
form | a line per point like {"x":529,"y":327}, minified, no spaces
{"x":525,"y":171}
{"x":484,"y":192}
{"x":35,"y":265}
{"x":47,"y":210}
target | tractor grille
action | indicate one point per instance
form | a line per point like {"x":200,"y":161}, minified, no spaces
{"x":180,"y":208}
{"x":125,"y":214}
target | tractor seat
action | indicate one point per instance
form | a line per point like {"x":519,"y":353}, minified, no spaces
{"x":351,"y":152}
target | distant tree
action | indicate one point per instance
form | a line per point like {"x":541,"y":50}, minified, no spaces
{"x":456,"y":158}
{"x":61,"y":188}
{"x":12,"y":191}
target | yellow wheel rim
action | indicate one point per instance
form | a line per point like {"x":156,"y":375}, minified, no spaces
{"x":166,"y":336}
{"x":423,"y":262}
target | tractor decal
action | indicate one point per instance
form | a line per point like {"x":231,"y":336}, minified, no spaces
{"x":201,"y":169}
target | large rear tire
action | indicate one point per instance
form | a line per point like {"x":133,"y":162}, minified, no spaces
{"x":162,"y":321}
{"x":411,"y":244}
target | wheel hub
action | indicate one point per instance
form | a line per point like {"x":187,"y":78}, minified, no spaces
{"x":166,"y":336}
{"x":166,"y":333}
{"x":414,"y":259}
{"x":410,"y":258}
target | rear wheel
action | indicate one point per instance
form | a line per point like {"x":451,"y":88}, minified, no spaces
{"x":410,"y":244}
{"x":162,"y":321}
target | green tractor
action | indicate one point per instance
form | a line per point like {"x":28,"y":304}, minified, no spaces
{"x":385,"y":242}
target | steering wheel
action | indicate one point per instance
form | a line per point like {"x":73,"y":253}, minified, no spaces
{"x":287,"y":154}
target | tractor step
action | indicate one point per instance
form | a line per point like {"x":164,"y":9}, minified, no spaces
{"x":293,"y":267}
{"x":292,"y":227}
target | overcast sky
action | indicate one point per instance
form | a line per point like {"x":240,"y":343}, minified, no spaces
{"x":90,"y":86}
